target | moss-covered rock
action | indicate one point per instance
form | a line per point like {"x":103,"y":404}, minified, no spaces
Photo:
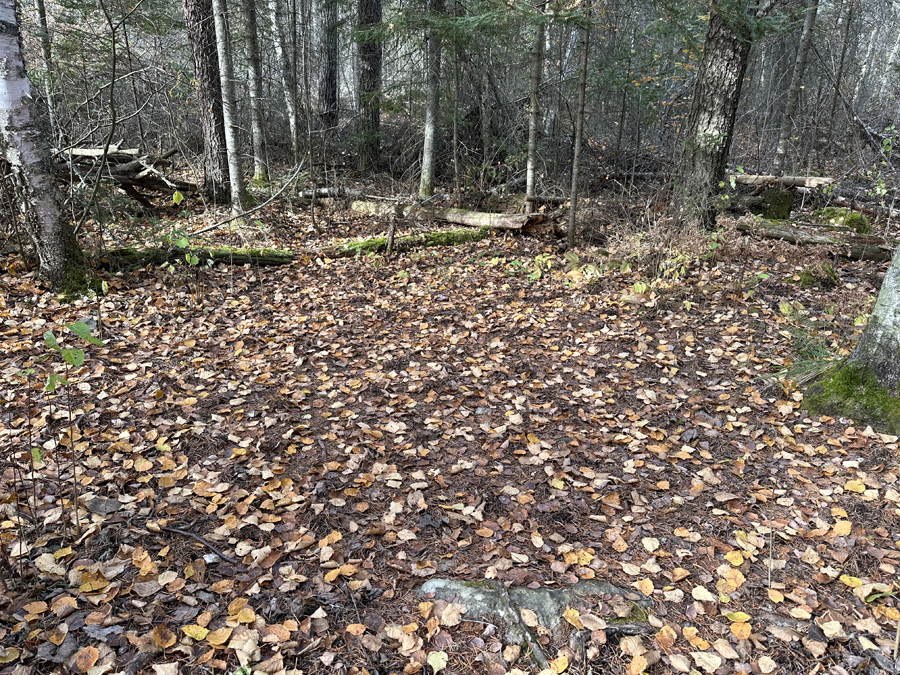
{"x":776,"y":204}
{"x":837,"y":218}
{"x":820,"y":275}
{"x":851,"y":391}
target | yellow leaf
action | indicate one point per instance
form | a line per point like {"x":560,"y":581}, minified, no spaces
{"x":855,"y":486}
{"x":333,"y":574}
{"x":736,"y":558}
{"x":666,"y":637}
{"x":437,"y":661}
{"x":195,"y":631}
{"x":9,"y":654}
{"x":645,"y":586}
{"x":775,"y":596}
{"x":841,"y":528}
{"x":246,"y":615}
{"x":741,"y":630}
{"x":738,"y":616}
{"x":219,"y":637}
{"x":852,"y":582}
{"x":559,"y":665}
{"x":356,"y":629}
{"x":573,"y":616}
{"x":637,"y":666}
{"x":702,"y":594}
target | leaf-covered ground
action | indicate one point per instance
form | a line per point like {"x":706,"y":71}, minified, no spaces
{"x":270,"y":460}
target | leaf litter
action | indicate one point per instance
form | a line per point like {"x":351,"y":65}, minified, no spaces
{"x":267,"y":470}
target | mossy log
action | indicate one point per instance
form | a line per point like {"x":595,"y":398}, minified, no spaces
{"x":402,"y":244}
{"x":847,"y":245}
{"x":132,"y":258}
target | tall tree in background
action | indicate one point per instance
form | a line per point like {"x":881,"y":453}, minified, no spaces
{"x":793,"y":99}
{"x":710,"y":125}
{"x":27,"y":151}
{"x":328,"y":90}
{"x":579,"y":127}
{"x":534,"y":113}
{"x":254,"y":75}
{"x":202,"y":37}
{"x":285,"y":66}
{"x":432,"y":101}
{"x":229,"y":106}
{"x":369,"y":85}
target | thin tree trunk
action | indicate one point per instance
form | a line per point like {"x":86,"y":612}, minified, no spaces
{"x":838,"y":76}
{"x":229,"y":107}
{"x":134,"y":94}
{"x":787,"y":122}
{"x":288,"y":81}
{"x":710,"y":126}
{"x":25,"y":146}
{"x":329,"y":86}
{"x":534,"y":114}
{"x":202,"y":37}
{"x":47,"y":58}
{"x":254,"y":75}
{"x":456,"y":104}
{"x":369,"y":85}
{"x":432,"y":105}
{"x":579,"y":129}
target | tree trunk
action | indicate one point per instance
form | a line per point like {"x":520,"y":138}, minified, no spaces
{"x":27,"y":151}
{"x":877,"y":349}
{"x":254,"y":75}
{"x":534,"y":114}
{"x":288,"y":80}
{"x":202,"y":37}
{"x":229,"y":107}
{"x":787,"y":122}
{"x":47,"y":58}
{"x":710,"y":123}
{"x":838,"y":76}
{"x":329,"y":85}
{"x":432,"y":105}
{"x":579,"y":129}
{"x":369,"y":85}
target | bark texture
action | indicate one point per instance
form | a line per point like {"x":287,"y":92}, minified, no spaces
{"x":877,"y":349}
{"x":254,"y":75}
{"x":229,"y":107}
{"x":534,"y":114}
{"x":579,"y":132}
{"x":202,"y":37}
{"x":710,"y":124}
{"x":288,"y":82}
{"x":328,"y":90}
{"x":432,"y":104}
{"x":793,"y":101}
{"x":369,"y":86}
{"x":27,"y":150}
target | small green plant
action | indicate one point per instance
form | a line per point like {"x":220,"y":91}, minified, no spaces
{"x":542,"y":263}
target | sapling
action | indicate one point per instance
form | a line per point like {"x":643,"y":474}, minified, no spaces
{"x":72,"y":358}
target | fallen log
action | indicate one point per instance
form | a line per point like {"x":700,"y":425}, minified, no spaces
{"x":502,"y":221}
{"x":860,"y":205}
{"x":132,"y":258}
{"x":781,"y":181}
{"x":846,"y":245}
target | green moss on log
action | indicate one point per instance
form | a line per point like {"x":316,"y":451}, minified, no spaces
{"x":838,"y":218}
{"x":776,"y":204}
{"x":820,"y":275}
{"x":132,"y":258}
{"x":851,"y":391}
{"x":408,"y":243}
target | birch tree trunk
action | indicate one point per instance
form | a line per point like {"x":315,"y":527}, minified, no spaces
{"x":579,"y":130}
{"x":329,"y":87}
{"x":432,"y":105}
{"x":254,"y":75}
{"x":369,"y":85}
{"x":288,"y":81}
{"x":47,"y":58}
{"x":534,"y":114}
{"x":229,"y":107}
{"x":710,"y":125}
{"x":202,"y":38}
{"x":793,"y":101}
{"x":27,"y":150}
{"x":838,"y":76}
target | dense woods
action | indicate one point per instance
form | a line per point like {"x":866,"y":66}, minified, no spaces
{"x":586,"y":311}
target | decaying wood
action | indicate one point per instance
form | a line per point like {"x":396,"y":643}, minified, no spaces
{"x":847,"y":245}
{"x":502,"y":221}
{"x":132,"y":258}
{"x":780,"y":181}
{"x":127,"y":168}
{"x":857,"y":204}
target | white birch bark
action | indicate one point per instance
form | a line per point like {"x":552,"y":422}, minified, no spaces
{"x":229,"y":107}
{"x":432,"y":107}
{"x":27,"y":150}
{"x":579,"y":132}
{"x":254,"y":76}
{"x":288,"y":81}
{"x":534,"y":115}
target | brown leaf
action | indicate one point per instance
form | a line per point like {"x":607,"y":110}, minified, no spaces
{"x":164,"y":636}
{"x":86,"y":658}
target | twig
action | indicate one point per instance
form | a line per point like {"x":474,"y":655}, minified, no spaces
{"x":897,"y":641}
{"x":202,"y":541}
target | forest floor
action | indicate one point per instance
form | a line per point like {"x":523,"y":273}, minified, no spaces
{"x":271,"y":460}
